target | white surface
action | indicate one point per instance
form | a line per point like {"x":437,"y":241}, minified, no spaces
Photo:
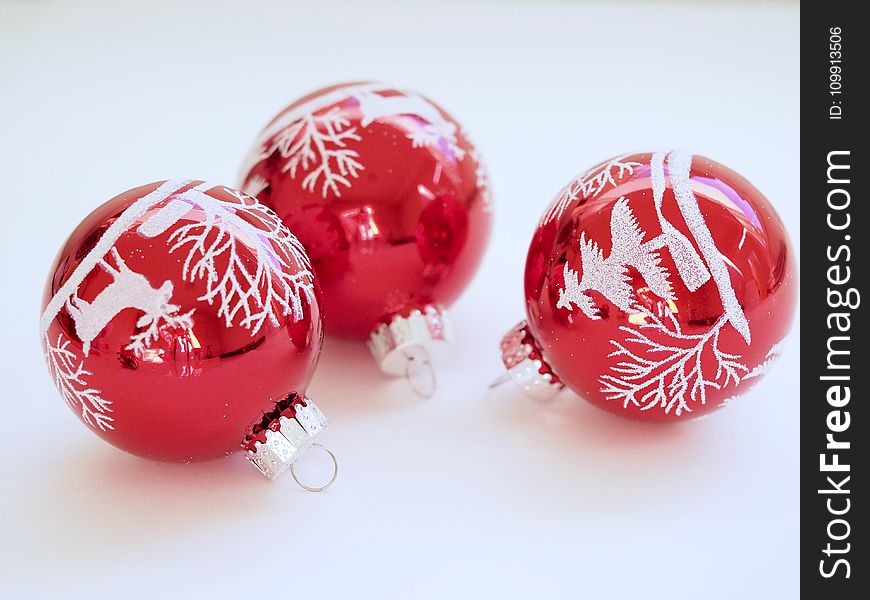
{"x":467,"y":495}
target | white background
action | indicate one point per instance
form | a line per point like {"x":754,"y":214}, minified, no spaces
{"x":467,"y":495}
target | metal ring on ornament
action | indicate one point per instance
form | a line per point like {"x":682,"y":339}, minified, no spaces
{"x":322,"y":487}
{"x":419,"y":372}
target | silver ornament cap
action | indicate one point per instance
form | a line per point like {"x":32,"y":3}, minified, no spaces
{"x":405,"y":337}
{"x":284,"y":435}
{"x":526,"y":366}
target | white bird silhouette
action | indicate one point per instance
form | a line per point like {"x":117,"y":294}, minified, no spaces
{"x":609,"y":276}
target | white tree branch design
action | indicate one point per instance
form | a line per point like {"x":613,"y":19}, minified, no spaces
{"x":265,"y":280}
{"x":314,"y":137}
{"x":771,"y":357}
{"x":65,"y":367}
{"x":668,"y":373}
{"x":317,"y":144}
{"x":255,"y":185}
{"x":591,"y":183}
{"x":481,"y":175}
{"x":277,"y":283}
{"x":431,"y":135}
{"x":168,"y":314}
{"x":659,"y":365}
{"x":70,"y":378}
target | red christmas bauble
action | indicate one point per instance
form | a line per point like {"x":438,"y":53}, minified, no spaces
{"x":658,"y":286}
{"x":175,"y":315}
{"x":390,"y":200}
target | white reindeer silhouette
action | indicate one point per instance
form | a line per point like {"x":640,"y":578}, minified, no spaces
{"x":374,"y":106}
{"x":128,"y":289}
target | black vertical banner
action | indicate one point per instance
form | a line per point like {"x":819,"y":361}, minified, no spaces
{"x":834,"y":261}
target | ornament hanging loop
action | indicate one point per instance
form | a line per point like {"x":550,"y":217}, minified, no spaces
{"x":500,"y":380}
{"x":324,"y":487}
{"x":419,"y":372}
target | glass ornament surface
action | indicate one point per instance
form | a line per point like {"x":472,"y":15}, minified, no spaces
{"x":175,"y":315}
{"x":389,"y":198}
{"x":659,"y":286}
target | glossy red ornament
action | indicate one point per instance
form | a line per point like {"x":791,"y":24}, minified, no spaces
{"x":390,"y":200}
{"x":658,"y":286}
{"x":175,"y":315}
